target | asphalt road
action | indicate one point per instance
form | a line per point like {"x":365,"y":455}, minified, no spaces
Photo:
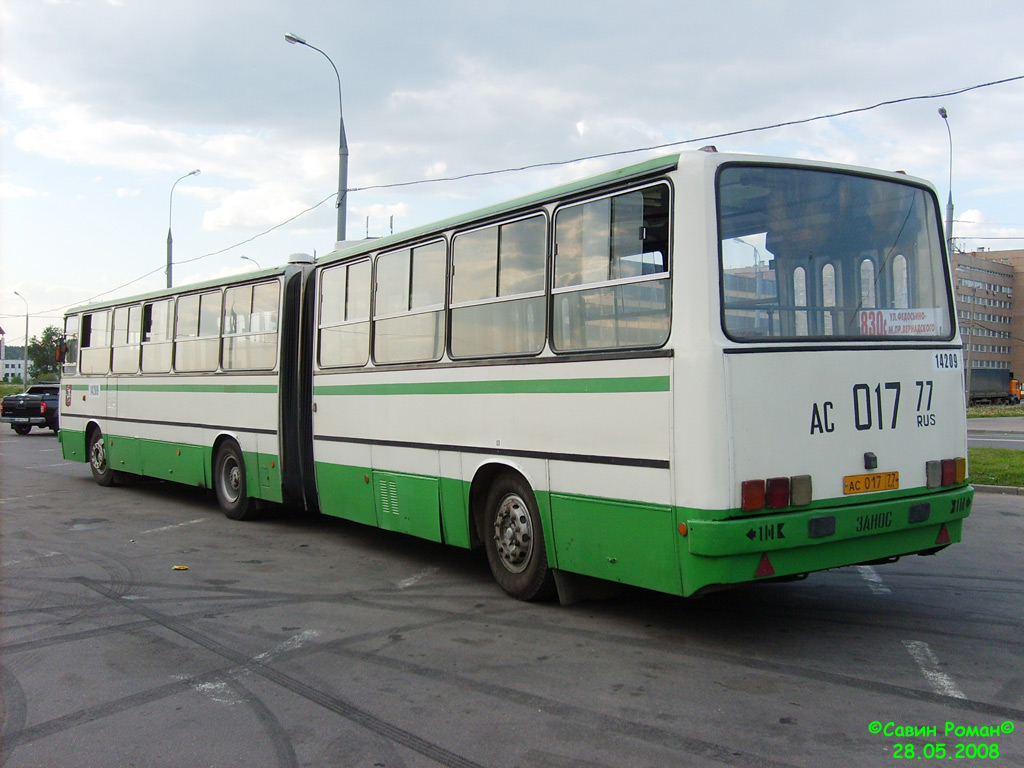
{"x":998,"y":432}
{"x":313,"y":642}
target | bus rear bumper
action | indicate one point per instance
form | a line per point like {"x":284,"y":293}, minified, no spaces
{"x":720,"y":553}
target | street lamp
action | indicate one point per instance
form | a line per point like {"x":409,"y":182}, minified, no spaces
{"x":342,"y":204}
{"x":24,"y":370}
{"x":170,"y":209}
{"x":949,"y":203}
{"x":247,"y":258}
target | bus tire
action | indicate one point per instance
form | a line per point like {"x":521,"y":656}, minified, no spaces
{"x":230,"y":484}
{"x":102,"y":473}
{"x":514,"y":540}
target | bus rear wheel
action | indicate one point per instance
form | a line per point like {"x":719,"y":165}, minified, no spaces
{"x":230,"y":484}
{"x":515,"y":542}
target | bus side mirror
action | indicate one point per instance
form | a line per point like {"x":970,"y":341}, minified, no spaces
{"x":61,"y":352}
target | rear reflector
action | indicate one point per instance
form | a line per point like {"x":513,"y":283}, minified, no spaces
{"x":764,"y":568}
{"x":943,"y":535}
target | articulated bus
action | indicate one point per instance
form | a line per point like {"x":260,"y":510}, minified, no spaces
{"x":694,"y":372}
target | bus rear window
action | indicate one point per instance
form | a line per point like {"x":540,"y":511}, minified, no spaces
{"x":810,"y":254}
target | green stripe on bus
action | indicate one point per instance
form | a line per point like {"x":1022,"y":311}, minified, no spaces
{"x":504,"y":387}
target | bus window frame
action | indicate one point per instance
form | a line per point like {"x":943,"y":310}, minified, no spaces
{"x":807,"y":342}
{"x":434,"y":239}
{"x":667,"y":275}
{"x":543,"y":293}
{"x":346,"y":265}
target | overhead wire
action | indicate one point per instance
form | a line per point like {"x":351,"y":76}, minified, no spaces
{"x":557,"y":163}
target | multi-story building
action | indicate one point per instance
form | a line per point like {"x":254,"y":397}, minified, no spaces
{"x":985,"y":286}
{"x":986,"y":282}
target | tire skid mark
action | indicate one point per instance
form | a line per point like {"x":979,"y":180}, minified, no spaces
{"x":272,"y":726}
{"x":555,"y":708}
{"x":13,"y":714}
{"x":332,"y":703}
{"x":760,"y":665}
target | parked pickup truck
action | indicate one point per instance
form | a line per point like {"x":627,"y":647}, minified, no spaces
{"x":38,"y":406}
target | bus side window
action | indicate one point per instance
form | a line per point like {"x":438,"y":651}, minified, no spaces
{"x":344,"y":338}
{"x":96,"y":342}
{"x":71,"y":328}
{"x":126,"y":339}
{"x":250,"y":320}
{"x":611,"y":273}
{"x":197,"y":332}
{"x":408,"y":314}
{"x":498,"y":289}
{"x":156,"y":336}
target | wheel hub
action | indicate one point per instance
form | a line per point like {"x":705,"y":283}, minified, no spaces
{"x":98,"y":455}
{"x":513,"y":534}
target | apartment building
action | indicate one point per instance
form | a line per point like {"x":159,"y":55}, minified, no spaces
{"x":993,"y":332}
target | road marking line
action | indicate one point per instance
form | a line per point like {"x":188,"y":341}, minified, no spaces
{"x":293,"y":643}
{"x":875,"y":582}
{"x":406,"y":583}
{"x":176,"y":525}
{"x":43,"y":556}
{"x":928,"y":663}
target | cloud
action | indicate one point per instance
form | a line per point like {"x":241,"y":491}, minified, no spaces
{"x":9,"y":191}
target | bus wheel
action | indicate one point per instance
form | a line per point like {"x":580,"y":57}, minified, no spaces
{"x":98,"y":464}
{"x":229,"y":482}
{"x":515,"y":542}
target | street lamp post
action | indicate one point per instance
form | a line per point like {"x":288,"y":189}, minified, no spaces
{"x":949,"y":202}
{"x":342,"y":204}
{"x":249,"y":258}
{"x":24,"y":370}
{"x":170,"y":210}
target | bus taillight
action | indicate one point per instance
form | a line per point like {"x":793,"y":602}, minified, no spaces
{"x":775,"y":493}
{"x":945,"y":472}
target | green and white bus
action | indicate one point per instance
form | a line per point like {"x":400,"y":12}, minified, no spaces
{"x":694,"y":372}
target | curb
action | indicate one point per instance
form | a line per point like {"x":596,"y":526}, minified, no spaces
{"x":1006,"y":490}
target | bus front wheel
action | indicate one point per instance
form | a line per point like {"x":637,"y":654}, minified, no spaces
{"x":230,"y":484}
{"x":515,"y":542}
{"x":98,"y":463}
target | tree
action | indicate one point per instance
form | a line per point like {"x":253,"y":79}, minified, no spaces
{"x":42,"y":354}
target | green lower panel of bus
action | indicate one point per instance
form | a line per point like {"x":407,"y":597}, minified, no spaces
{"x":430,"y":507}
{"x":675,"y":550}
{"x":178,"y":462}
{"x":621,"y":541}
{"x":723,"y":552}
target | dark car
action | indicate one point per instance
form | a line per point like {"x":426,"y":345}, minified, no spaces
{"x":37,"y":406}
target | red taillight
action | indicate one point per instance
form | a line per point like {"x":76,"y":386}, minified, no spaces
{"x":945,"y":472}
{"x":752,"y":493}
{"x":777,"y":495}
{"x":42,"y":408}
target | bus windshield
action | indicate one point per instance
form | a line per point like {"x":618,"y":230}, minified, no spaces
{"x":819,"y":255}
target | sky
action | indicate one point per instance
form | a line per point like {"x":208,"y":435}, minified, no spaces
{"x":106,"y":104}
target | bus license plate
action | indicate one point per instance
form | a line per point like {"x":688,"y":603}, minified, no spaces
{"x":879,"y":481}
